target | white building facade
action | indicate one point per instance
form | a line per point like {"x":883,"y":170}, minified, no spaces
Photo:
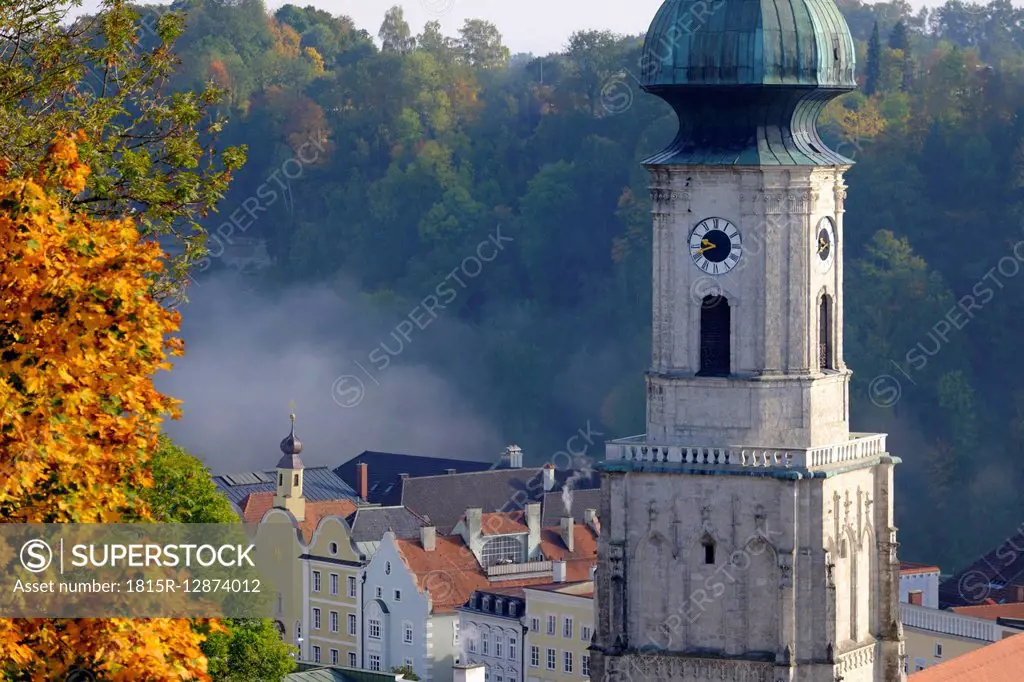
{"x":491,"y":633}
{"x":397,"y":626}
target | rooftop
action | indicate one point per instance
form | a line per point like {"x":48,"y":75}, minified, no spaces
{"x":370,"y":523}
{"x":910,"y":568}
{"x":451,"y":574}
{"x":257,"y":504}
{"x":1014,"y":611}
{"x":318,"y":483}
{"x":443,"y":500}
{"x":384,"y":468}
{"x":997,"y":662}
{"x":997,"y":577}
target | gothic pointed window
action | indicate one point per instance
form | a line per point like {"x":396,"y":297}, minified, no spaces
{"x":825,"y":333}
{"x":714,"y":337}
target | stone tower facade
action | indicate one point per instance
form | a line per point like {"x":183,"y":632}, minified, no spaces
{"x":748,"y":535}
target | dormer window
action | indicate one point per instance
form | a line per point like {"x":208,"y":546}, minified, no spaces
{"x":512,"y":609}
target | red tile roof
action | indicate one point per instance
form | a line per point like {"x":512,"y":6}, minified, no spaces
{"x":998,"y":662}
{"x":255,"y":505}
{"x":501,"y":523}
{"x":910,"y":568}
{"x":992,"y":611}
{"x":451,"y":573}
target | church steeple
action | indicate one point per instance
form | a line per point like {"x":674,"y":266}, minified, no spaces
{"x":725,"y":552}
{"x":289,"y":476}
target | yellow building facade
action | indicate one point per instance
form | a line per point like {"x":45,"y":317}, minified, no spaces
{"x":560,"y":623}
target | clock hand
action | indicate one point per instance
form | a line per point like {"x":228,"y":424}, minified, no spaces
{"x":706,"y":244}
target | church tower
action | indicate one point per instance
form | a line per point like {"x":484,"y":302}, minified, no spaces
{"x":748,"y":535}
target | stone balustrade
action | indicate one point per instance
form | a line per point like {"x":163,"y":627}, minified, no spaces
{"x":636,"y":449}
{"x":949,"y":623}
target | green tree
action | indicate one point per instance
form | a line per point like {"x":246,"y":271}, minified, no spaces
{"x":395,"y":34}
{"x":251,"y":649}
{"x":183,"y":491}
{"x":874,"y":69}
{"x":481,"y":46}
{"x":406,"y":671}
{"x":899,"y":40}
{"x":149,"y":149}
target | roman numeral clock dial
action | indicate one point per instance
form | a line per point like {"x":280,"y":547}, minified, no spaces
{"x":715,"y":246}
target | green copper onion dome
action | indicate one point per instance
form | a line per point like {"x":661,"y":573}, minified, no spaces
{"x":748,"y":78}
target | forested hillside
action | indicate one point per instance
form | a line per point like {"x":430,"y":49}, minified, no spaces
{"x":413,"y":149}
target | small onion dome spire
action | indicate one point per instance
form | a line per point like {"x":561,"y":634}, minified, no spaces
{"x":291,"y":447}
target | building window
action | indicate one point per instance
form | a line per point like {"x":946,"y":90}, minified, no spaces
{"x":408,"y":663}
{"x":407,"y":633}
{"x":552,"y":624}
{"x":352,"y":659}
{"x":485,"y":644}
{"x":295,"y":479}
{"x":351,"y":586}
{"x":585,"y":633}
{"x":316,"y":619}
{"x":472,"y":645}
{"x":825,"y":333}
{"x":387,"y":568}
{"x":551,"y":659}
{"x":334,"y":621}
{"x":316,"y":654}
{"x":316,"y":581}
{"x":280,"y":603}
{"x":504,"y":548}
{"x":512,"y":641}
{"x":715,"y":345}
{"x":455,"y":633}
{"x":499,"y":678}
{"x":379,"y":592}
{"x":567,"y":661}
{"x":375,"y":662}
{"x":567,"y":628}
{"x":938,"y":650}
{"x":374,"y":629}
{"x":280,"y":479}
{"x":351,"y":623}
{"x":534,"y":656}
{"x":333,"y":548}
{"x":535,"y":624}
{"x":585,"y":665}
{"x":398,"y":595}
{"x":497,"y":646}
{"x":334,"y":657}
{"x":512,"y":608}
{"x":709,"y":552}
{"x":334,"y":583}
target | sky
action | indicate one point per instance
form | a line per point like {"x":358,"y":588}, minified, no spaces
{"x":538,"y":26}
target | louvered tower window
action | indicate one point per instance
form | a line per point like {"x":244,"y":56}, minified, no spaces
{"x":714,"y":337}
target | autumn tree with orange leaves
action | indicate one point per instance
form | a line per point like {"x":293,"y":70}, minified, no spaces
{"x":80,"y":339}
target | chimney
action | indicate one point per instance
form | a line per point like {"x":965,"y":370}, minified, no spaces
{"x":916,"y":598}
{"x":362,"y":474}
{"x":549,"y":477}
{"x":533,"y":524}
{"x":468,"y":672}
{"x":568,"y":532}
{"x":514,"y":456}
{"x":449,"y":471}
{"x":428,"y":538}
{"x":402,"y":477}
{"x":590,"y":519}
{"x":474,"y":522}
{"x":558,"y":571}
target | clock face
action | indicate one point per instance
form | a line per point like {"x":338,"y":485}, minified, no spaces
{"x":825,"y":244}
{"x":716,"y":246}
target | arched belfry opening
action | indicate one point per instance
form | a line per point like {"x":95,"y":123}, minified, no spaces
{"x":715,"y":345}
{"x":825,"y":351}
